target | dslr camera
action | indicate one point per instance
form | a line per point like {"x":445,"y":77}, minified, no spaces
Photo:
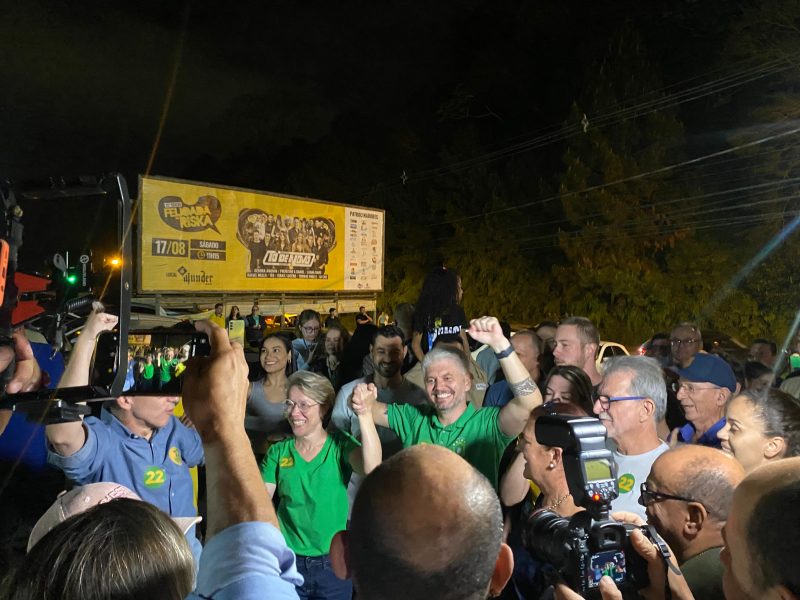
{"x":589,"y":545}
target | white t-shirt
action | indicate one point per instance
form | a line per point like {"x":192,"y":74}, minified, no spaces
{"x":631,"y":472}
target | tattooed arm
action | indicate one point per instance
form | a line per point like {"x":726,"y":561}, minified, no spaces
{"x":513,"y":415}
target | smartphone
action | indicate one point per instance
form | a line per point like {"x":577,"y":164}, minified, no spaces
{"x":153,"y":360}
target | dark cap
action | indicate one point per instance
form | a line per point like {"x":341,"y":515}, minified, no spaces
{"x":709,"y":368}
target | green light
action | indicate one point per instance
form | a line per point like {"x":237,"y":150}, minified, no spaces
{"x":71,"y":278}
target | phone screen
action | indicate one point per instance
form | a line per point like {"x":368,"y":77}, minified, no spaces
{"x":155,"y":361}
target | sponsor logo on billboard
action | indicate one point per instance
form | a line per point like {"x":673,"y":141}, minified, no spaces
{"x":189,"y":278}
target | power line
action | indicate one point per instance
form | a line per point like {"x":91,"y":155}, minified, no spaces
{"x":636,"y":177}
{"x":757,"y":189}
{"x":604,"y":120}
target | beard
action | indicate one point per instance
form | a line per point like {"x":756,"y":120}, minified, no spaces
{"x":387,"y":370}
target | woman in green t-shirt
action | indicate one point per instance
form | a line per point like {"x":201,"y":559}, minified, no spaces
{"x":310,"y":473}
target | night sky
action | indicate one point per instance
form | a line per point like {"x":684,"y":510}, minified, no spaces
{"x":477,"y":103}
{"x":265,"y":83}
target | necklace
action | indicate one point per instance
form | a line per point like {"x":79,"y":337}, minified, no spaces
{"x":558,"y":502}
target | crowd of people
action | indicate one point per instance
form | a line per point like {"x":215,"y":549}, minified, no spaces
{"x":401,"y":461}
{"x":152,"y":369}
{"x":267,"y":232}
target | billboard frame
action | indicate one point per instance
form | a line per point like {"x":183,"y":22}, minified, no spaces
{"x":327,"y":291}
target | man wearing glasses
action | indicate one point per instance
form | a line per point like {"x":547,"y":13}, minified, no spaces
{"x":703,"y":390}
{"x":631,"y":400}
{"x":686,"y":341}
{"x":687,"y":497}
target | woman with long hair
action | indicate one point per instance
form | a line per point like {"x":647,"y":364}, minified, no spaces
{"x":329,"y":362}
{"x":566,"y":383}
{"x":282,"y":243}
{"x":265,"y":421}
{"x":310,"y":473}
{"x":309,"y":324}
{"x":234,"y":315}
{"x":438,"y":311}
{"x":761,"y":427}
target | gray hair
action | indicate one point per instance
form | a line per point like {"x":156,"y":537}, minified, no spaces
{"x":689,"y":325}
{"x":647,"y":379}
{"x":705,"y":482}
{"x":536,"y":341}
{"x":442,"y":353}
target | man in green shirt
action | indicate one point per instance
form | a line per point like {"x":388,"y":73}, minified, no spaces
{"x":166,"y":366}
{"x":479,"y":435}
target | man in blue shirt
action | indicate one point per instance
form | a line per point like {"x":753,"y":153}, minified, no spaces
{"x":246,"y":556}
{"x":528,"y":347}
{"x":704,"y":389}
{"x":137,"y":441}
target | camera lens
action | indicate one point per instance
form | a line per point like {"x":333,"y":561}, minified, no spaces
{"x":547,"y":537}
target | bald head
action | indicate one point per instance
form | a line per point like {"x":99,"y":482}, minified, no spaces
{"x":704,"y":474}
{"x":425,"y":524}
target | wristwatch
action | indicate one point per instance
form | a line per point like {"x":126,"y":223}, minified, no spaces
{"x":504,"y":353}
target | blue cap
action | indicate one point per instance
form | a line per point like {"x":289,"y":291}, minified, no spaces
{"x":711,"y":369}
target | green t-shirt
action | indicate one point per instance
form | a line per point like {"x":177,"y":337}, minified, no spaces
{"x":313,"y":494}
{"x":476,"y":435}
{"x":167,"y":369}
{"x":148,"y":371}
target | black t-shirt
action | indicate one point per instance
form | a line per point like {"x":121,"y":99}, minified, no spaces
{"x":257,"y":252}
{"x":452,"y":320}
{"x":362,"y":319}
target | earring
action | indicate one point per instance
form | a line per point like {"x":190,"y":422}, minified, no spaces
{"x":552,"y":465}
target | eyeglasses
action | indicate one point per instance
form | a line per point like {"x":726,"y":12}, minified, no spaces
{"x":690,"y":388}
{"x":605,"y":401}
{"x":679,"y":342}
{"x":649,"y":496}
{"x":304,"y":407}
{"x":311,"y":329}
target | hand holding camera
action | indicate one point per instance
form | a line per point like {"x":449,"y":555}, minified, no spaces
{"x":590,"y":549}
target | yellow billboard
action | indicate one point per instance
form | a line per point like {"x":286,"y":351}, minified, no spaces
{"x":198,"y":237}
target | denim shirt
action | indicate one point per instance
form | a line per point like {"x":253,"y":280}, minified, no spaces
{"x":247,"y":561}
{"x":156,"y":469}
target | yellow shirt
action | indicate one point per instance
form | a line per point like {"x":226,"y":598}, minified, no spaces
{"x":219,"y":320}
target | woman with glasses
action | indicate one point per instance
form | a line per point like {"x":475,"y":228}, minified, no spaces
{"x":761,"y":427}
{"x":329,"y":362}
{"x":309,"y":324}
{"x":541,"y":466}
{"x":310,"y":473}
{"x":265,"y":420}
{"x":566,"y":383}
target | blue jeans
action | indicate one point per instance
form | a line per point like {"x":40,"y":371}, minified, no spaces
{"x":320,"y":582}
